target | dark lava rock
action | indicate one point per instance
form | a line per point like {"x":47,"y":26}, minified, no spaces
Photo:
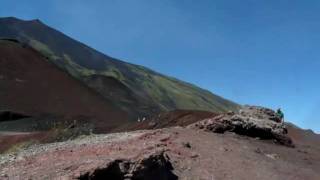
{"x":11,"y":115}
{"x":156,"y":166}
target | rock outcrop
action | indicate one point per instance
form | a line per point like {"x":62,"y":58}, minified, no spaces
{"x":250,"y":121}
{"x":156,"y":166}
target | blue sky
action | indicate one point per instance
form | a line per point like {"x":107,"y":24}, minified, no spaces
{"x":253,"y":52}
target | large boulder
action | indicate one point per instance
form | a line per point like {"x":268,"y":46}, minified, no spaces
{"x":154,"y":166}
{"x":250,"y":121}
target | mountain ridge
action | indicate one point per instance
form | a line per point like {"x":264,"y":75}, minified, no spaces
{"x":153,"y":92}
{"x":32,"y":85}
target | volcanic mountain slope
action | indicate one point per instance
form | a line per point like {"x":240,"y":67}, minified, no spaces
{"x":142,"y":91}
{"x":31,"y":85}
{"x":178,"y":153}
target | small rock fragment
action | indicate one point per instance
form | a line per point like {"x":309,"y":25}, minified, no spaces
{"x":186,"y":145}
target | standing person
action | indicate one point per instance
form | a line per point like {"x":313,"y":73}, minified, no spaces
{"x":280,"y":115}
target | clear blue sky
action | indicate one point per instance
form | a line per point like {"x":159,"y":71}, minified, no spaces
{"x":263,"y":52}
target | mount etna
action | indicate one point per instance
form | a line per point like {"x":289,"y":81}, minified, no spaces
{"x":68,"y":111}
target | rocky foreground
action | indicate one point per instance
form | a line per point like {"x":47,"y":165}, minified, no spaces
{"x":251,"y":144}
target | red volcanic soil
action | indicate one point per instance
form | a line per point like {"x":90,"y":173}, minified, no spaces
{"x":170,"y":119}
{"x":307,"y":141}
{"x":193,"y":154}
{"x":32,"y":85}
{"x":179,"y":118}
{"x":173,"y":153}
{"x":9,"y":139}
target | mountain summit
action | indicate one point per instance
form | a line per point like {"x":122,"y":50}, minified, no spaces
{"x":135,"y":89}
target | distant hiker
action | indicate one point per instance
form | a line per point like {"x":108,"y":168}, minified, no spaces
{"x":280,"y":115}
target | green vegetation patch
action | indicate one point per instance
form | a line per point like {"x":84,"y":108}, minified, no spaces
{"x":43,"y":49}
